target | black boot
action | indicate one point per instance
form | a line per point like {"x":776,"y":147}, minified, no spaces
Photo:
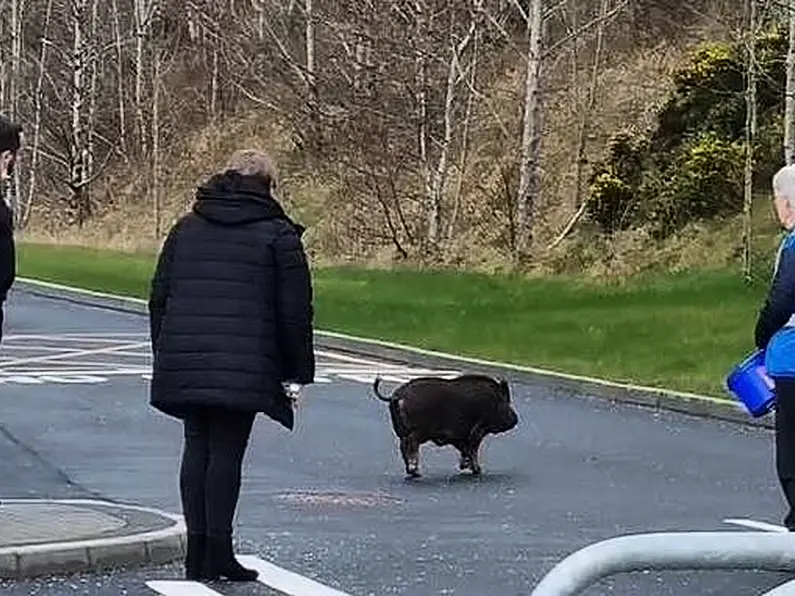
{"x":194,"y":557}
{"x":219,"y":561}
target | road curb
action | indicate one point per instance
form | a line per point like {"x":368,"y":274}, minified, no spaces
{"x":155,"y":547}
{"x":580,"y":386}
{"x":657,"y":399}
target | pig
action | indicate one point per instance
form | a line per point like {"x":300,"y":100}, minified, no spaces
{"x":458,"y":412}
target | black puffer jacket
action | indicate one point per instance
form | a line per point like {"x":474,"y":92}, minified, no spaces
{"x":231,"y":305}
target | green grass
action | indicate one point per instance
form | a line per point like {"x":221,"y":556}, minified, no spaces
{"x":678,"y":331}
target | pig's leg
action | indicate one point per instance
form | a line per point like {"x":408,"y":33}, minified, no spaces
{"x":473,"y":447}
{"x":410,"y":450}
{"x":465,"y":461}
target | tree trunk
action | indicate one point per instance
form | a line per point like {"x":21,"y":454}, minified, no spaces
{"x":789,"y":101}
{"x":77,"y":165}
{"x":750,"y":132}
{"x":156,"y":207}
{"x":92,"y":98}
{"x":530,"y":164}
{"x":140,"y":38}
{"x":37,"y":124}
{"x":120,"y":79}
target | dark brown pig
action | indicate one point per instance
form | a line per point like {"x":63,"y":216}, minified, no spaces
{"x":458,"y":412}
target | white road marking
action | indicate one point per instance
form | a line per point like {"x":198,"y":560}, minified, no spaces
{"x":358,"y":378}
{"x":181,"y":588}
{"x":285,"y":581}
{"x":88,"y":370}
{"x":73,"y":353}
{"x":84,"y":337}
{"x":755,"y":525}
{"x":98,"y":358}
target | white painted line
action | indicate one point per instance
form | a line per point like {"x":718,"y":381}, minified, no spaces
{"x":755,"y":525}
{"x":73,"y":353}
{"x":181,"y":588}
{"x":29,"y":348}
{"x":285,"y":581}
{"x":86,"y":337}
{"x":347,"y":358}
{"x":89,"y":370}
{"x":358,"y":378}
{"x":76,"y":364}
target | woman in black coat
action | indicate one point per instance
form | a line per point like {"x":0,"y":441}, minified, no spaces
{"x":231,"y":324}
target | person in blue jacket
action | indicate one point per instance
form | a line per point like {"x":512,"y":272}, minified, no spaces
{"x":775,"y":333}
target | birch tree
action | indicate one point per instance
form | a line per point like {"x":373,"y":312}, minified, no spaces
{"x":78,"y":142}
{"x":789,"y":99}
{"x":750,"y":130}
{"x":35,"y":150}
{"x":120,"y":74}
{"x":530,"y":160}
{"x":144,"y":11}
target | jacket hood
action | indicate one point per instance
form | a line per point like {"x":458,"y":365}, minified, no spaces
{"x":231,"y":199}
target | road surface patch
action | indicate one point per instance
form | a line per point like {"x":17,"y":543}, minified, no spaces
{"x":343,"y":499}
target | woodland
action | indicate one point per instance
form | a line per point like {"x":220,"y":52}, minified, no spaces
{"x":563,"y":135}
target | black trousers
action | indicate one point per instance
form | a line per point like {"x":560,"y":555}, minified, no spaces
{"x":212,"y":460}
{"x":785,"y":443}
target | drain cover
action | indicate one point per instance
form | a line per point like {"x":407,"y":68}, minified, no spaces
{"x":337,"y":498}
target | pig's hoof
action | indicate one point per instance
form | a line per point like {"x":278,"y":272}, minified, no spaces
{"x":412,"y":472}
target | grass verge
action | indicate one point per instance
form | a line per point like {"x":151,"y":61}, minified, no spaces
{"x":680,"y":331}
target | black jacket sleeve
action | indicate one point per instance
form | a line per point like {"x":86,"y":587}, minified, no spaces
{"x":779,"y":304}
{"x":295,"y":313}
{"x":8,"y":257}
{"x":158,"y":291}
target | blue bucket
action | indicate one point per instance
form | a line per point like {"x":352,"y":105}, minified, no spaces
{"x":751,"y":385}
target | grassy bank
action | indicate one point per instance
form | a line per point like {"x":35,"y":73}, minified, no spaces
{"x":680,"y":331}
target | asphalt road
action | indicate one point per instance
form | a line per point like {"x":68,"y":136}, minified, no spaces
{"x":329,"y":500}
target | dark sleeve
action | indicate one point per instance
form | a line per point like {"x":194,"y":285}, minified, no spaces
{"x":8,"y":257}
{"x":158,"y":291}
{"x":295,"y":309}
{"x":779,"y":304}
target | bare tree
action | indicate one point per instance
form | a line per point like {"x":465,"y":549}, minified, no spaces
{"x":37,"y":117}
{"x":530,"y":161}
{"x":584,"y":123}
{"x":120,"y":73}
{"x":144,"y":11}
{"x":789,"y":101}
{"x":750,"y":131}
{"x":78,"y":145}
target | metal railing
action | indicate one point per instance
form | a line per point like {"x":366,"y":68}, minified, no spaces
{"x":671,"y":551}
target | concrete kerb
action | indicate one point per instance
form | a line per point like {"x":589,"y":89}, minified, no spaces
{"x":155,"y":547}
{"x":576,"y":385}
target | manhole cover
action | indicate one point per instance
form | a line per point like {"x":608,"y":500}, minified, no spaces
{"x":337,"y":498}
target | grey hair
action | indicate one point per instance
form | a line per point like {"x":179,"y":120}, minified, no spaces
{"x":784,"y":185}
{"x":253,"y":162}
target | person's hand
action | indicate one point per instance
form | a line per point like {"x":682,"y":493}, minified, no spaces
{"x":293,"y":392}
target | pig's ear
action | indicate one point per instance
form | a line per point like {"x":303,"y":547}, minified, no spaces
{"x":504,"y":386}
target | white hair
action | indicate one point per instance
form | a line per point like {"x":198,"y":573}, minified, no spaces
{"x":784,"y":185}
{"x":253,"y":162}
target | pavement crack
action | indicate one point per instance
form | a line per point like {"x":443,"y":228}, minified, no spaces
{"x":59,"y":473}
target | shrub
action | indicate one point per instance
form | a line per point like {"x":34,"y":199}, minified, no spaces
{"x":690,"y":167}
{"x":705,"y":182}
